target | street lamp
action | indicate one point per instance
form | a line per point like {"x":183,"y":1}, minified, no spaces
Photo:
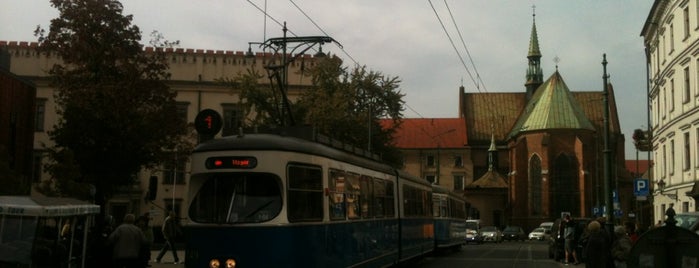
{"x":280,"y":72}
{"x":661,"y":187}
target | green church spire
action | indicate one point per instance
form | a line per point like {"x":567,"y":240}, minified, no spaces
{"x":535,"y":76}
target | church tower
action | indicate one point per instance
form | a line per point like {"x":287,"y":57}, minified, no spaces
{"x":535,"y":76}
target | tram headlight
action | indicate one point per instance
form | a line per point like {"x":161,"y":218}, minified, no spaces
{"x":215,"y":263}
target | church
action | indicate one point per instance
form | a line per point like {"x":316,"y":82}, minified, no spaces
{"x":526,"y":157}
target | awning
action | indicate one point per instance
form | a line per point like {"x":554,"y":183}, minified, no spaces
{"x":45,"y":206}
{"x":695,"y":191}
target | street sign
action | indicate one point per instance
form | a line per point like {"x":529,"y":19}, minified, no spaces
{"x":640,"y":187}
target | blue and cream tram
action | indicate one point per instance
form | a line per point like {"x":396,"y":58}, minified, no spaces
{"x":266,"y":200}
{"x":449,"y":218}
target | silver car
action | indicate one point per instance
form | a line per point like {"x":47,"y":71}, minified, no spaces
{"x":491,"y":234}
{"x":538,"y":234}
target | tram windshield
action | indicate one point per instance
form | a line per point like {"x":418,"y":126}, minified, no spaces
{"x":237,"y":198}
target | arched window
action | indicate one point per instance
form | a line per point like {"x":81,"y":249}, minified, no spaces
{"x":565,"y":195}
{"x":535,"y":185}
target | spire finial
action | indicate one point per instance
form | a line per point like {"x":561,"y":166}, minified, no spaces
{"x":534,"y":11}
{"x":556,"y":60}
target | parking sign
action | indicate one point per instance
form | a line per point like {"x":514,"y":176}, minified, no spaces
{"x":640,"y":187}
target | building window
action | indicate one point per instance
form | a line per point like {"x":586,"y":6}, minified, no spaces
{"x":672,"y":38}
{"x":664,"y":174}
{"x":686,"y":22}
{"x":687,"y":157}
{"x":37,"y":163}
{"x":685,"y":207}
{"x":696,"y":89}
{"x":431,"y":178}
{"x":430,"y":161}
{"x":175,"y":169}
{"x":696,"y":147}
{"x":182,"y":108}
{"x":687,"y":89}
{"x":232,"y":119}
{"x":672,"y":95}
{"x":672,"y":157}
{"x":458,"y":161}
{"x":458,"y":182}
{"x":40,"y":114}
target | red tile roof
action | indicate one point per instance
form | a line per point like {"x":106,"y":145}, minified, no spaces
{"x":419,"y":133}
{"x":643,"y":166}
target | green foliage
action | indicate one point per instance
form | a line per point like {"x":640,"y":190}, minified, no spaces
{"x":347,"y":106}
{"x":117,"y":114}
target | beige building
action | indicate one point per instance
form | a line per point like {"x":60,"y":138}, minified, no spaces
{"x":194,"y":77}
{"x":671,"y":39}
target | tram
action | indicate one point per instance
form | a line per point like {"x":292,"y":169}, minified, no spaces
{"x":269,"y":200}
{"x":449,"y":218}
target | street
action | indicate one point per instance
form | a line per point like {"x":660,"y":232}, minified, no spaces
{"x":532,"y":254}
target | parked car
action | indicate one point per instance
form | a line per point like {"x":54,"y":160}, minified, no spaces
{"x":557,"y":241}
{"x":491,"y":234}
{"x":514,"y":233}
{"x":473,"y":236}
{"x":538,"y":233}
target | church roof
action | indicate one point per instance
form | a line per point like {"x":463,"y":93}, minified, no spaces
{"x":491,"y":179}
{"x":422,"y":133}
{"x":553,"y":106}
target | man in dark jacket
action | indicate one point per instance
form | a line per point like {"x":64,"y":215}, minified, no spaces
{"x":171,"y":230}
{"x":126,"y":241}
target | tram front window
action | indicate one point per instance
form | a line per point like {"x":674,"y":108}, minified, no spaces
{"x":237,"y":198}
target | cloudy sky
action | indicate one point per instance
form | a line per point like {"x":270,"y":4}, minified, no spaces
{"x":406,"y":39}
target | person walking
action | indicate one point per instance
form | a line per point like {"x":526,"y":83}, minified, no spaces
{"x":126,"y":241}
{"x":570,"y":243}
{"x":143,"y":224}
{"x":621,"y":247}
{"x":171,"y":230}
{"x":597,"y":249}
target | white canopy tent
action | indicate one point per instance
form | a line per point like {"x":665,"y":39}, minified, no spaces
{"x":30,"y":230}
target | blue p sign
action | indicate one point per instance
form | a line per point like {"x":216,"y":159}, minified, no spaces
{"x":640,"y":187}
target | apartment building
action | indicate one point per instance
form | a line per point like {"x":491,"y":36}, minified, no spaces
{"x":671,"y":39}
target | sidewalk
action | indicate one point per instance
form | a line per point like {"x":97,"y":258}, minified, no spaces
{"x":167,"y":260}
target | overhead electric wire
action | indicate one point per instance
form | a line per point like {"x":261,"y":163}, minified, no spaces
{"x":463,"y":43}
{"x":453,"y":45}
{"x":323,"y":31}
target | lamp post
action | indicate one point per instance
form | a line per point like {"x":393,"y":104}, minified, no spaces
{"x":661,"y":187}
{"x":280,"y":72}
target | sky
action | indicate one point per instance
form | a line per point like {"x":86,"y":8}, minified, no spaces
{"x":433,"y":46}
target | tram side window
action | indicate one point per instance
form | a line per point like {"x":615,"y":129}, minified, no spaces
{"x":336,"y":194}
{"x":305,"y":193}
{"x":417,"y":202}
{"x":367,"y":195}
{"x":379,"y":197}
{"x":352,"y":188}
{"x":389,"y":200}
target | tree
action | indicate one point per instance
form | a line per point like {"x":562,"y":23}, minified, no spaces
{"x":117,"y":114}
{"x":349,"y":106}
{"x":346,"y":106}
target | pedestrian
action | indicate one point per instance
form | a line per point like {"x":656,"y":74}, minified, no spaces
{"x":630,"y":228}
{"x":621,"y":247}
{"x":597,"y":250}
{"x":171,"y":230}
{"x":670,"y":213}
{"x":127,"y":240}
{"x":570,"y":243}
{"x":143,"y":223}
